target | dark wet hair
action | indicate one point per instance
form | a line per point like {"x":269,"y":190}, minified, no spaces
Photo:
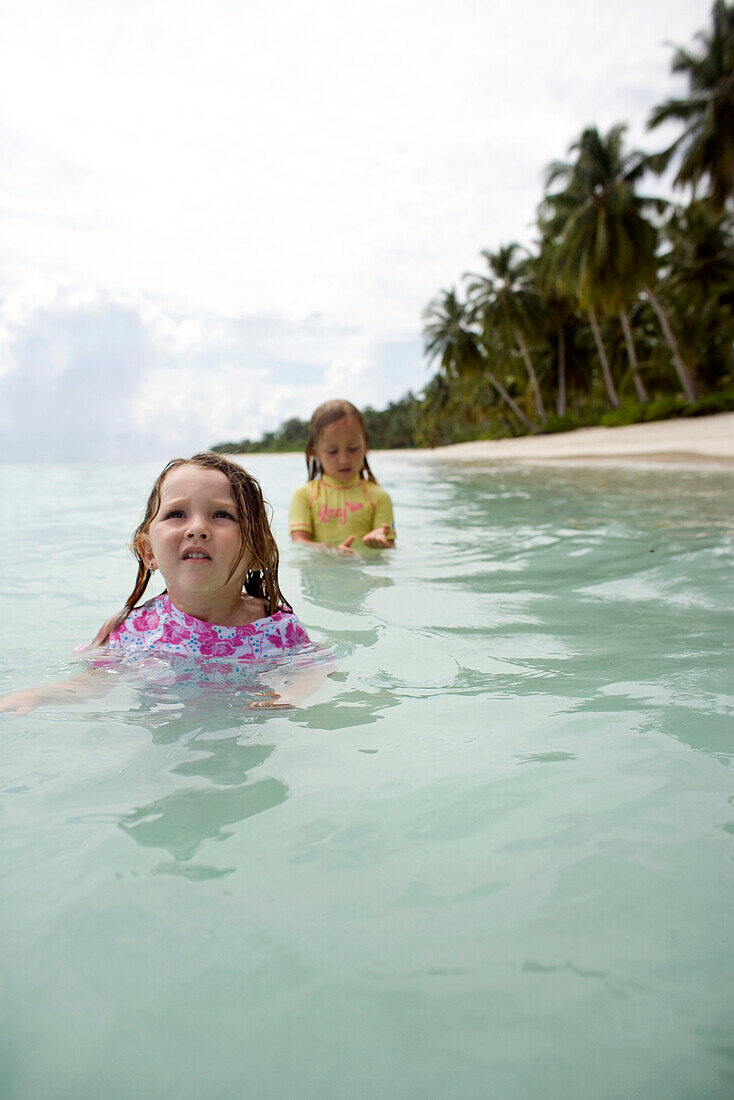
{"x":326,"y":414}
{"x":257,"y":538}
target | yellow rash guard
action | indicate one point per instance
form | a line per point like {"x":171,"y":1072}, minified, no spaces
{"x":330,"y":511}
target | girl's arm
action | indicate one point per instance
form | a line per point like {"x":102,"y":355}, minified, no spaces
{"x":343,"y":547}
{"x":27,"y":699}
{"x":382,"y":537}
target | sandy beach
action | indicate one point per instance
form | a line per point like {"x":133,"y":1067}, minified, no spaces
{"x":702,"y":440}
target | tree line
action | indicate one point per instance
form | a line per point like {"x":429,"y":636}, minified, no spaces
{"x":621,"y":311}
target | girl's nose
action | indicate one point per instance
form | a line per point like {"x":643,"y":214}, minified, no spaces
{"x":197,"y":530}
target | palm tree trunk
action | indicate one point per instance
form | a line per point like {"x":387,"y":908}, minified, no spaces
{"x":608,"y":380}
{"x":531,"y":427}
{"x":508,"y":421}
{"x":561,"y":395}
{"x":684,"y":377}
{"x":539,"y":407}
{"x":642,"y":395}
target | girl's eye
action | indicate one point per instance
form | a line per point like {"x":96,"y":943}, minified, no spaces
{"x":225,"y":513}
{"x":175,"y":513}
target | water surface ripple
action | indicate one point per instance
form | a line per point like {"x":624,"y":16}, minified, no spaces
{"x":492,"y":856}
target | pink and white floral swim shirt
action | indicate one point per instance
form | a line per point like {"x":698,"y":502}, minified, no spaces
{"x":159,"y":627}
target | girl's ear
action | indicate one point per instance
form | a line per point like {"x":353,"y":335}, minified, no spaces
{"x":145,"y":549}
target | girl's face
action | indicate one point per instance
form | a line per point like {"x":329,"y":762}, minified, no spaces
{"x":195,"y":537}
{"x":341,"y":449}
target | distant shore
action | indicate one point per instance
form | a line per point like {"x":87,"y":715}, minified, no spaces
{"x":702,"y":440}
{"x":696,"y":440}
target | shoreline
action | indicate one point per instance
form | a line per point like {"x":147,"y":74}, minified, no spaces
{"x":704,"y":440}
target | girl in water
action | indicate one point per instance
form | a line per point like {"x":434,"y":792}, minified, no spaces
{"x":342,"y":502}
{"x":206,"y":529}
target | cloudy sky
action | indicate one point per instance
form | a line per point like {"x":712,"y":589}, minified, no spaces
{"x":215,"y":214}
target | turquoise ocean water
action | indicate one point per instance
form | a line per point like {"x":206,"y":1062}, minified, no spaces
{"x":490,"y":857}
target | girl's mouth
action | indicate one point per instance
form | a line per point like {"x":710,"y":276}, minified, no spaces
{"x":196,"y":555}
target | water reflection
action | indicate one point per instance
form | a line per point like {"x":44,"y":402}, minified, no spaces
{"x":181,"y":822}
{"x":339,"y":584}
{"x":358,"y":707}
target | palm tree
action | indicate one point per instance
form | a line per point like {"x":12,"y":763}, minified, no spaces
{"x":506,"y":299}
{"x":699,"y":281}
{"x":642,"y":395}
{"x":706,"y":145}
{"x":448,"y":335}
{"x":702,"y":249}
{"x":560,"y":311}
{"x":592,"y":253}
{"x":606,"y":245}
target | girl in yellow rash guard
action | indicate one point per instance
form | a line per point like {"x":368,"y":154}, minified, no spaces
{"x":342,"y":502}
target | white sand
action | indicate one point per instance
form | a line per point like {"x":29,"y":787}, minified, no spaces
{"x":704,"y":439}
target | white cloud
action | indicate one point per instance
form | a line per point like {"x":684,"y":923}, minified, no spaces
{"x":90,"y":375}
{"x":320,"y":169}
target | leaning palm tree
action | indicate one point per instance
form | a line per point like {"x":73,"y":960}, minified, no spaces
{"x":642,"y":395}
{"x":606,"y":245}
{"x":448,"y":336}
{"x":706,"y":146}
{"x":506,"y":299}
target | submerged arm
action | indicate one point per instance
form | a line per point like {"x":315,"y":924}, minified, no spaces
{"x":27,"y":699}
{"x":343,"y":547}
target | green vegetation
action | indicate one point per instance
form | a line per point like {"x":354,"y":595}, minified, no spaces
{"x":394,"y":426}
{"x":290,"y":436}
{"x":622,"y":311}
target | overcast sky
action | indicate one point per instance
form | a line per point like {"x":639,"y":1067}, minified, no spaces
{"x":215,"y":215}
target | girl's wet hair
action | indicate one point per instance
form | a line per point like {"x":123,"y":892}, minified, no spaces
{"x":326,"y":414}
{"x":257,"y":539}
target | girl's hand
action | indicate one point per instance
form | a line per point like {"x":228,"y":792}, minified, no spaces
{"x":346,"y":547}
{"x":379,"y":539}
{"x":270,"y":700}
{"x":23,"y":702}
{"x":289,"y":689}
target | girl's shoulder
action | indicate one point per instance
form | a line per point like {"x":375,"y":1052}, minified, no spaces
{"x":374,"y":490}
{"x":307,"y":492}
{"x":115,"y":631}
{"x":144,"y":619}
{"x":289,"y":626}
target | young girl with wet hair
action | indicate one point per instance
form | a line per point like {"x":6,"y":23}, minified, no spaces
{"x":342,"y":502}
{"x":206,"y":529}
